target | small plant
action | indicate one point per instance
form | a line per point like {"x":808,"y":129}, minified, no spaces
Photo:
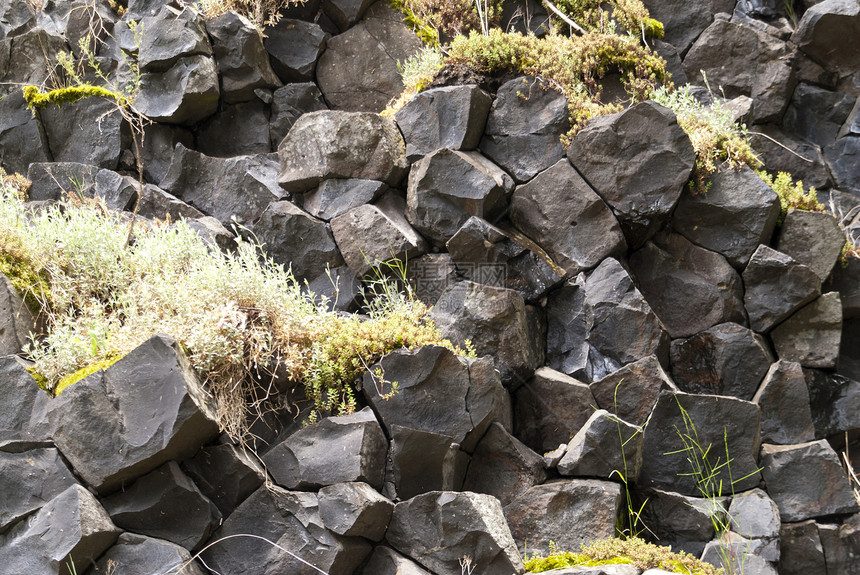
{"x":791,"y":194}
{"x":601,"y":16}
{"x":630,"y":527}
{"x":449,"y":18}
{"x":261,"y":12}
{"x":417,"y":73}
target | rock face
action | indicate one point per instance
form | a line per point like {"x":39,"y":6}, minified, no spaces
{"x":823,"y":30}
{"x":34,"y":476}
{"x":812,"y":336}
{"x":16,"y":320}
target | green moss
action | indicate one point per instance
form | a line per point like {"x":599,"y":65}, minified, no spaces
{"x":31,"y":285}
{"x":36,"y":99}
{"x":85,"y":371}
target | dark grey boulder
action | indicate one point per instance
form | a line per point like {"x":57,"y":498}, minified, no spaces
{"x":243,"y":63}
{"x":22,"y":142}
{"x":165,"y":504}
{"x":171,"y":36}
{"x":503,"y":466}
{"x":294,"y":46}
{"x":845,"y":280}
{"x":736,"y":215}
{"x":775,"y":286}
{"x":159,"y":140}
{"x":450,"y":117}
{"x":784,"y":402}
{"x":851,"y":127}
{"x":842,"y":157}
{"x":387,"y":561}
{"x":16,"y":319}
{"x":374,"y":233}
{"x":183,"y":94}
{"x":849,"y":353}
{"x":72,"y":528}
{"x":235,"y":130}
{"x":297,"y":240}
{"x":430,"y":275}
{"x":59,"y":180}
{"x":806,"y":480}
{"x":834,"y":401}
{"x":15,"y":18}
{"x":144,"y":410}
{"x":22,"y":403}
{"x":841,"y":544}
{"x":494,"y":256}
{"x":550,"y":408}
{"x":813,"y":239}
{"x":345,"y":13}
{"x":570,"y":513}
{"x":812,"y":335}
{"x":631,"y":392}
{"x":226,"y":474}
{"x":802,"y":160}
{"x":598,"y":324}
{"x":727,"y":359}
{"x":232,"y":190}
{"x":686,"y":523}
{"x":496,"y":321}
{"x":355,"y":509}
{"x":213,"y":233}
{"x":28,"y":480}
{"x":726,"y":424}
{"x":358,"y":71}
{"x":437,"y":529}
{"x":336,"y":197}
{"x":688,"y":287}
{"x":733,"y":553}
{"x":825,"y":31}
{"x":332,"y":144}
{"x":288,"y":103}
{"x":23,"y":58}
{"x":355,"y":451}
{"x":290,"y":520}
{"x":605,"y":447}
{"x":423,"y":461}
{"x":754,"y":515}
{"x":816,"y":114}
{"x":448,"y":186}
{"x":339,"y":287}
{"x":118,"y":191}
{"x":440,"y":392}
{"x":684,"y":20}
{"x":140,"y":555}
{"x":800,"y":550}
{"x":658,"y":157}
{"x":524,"y":128}
{"x":560,"y":211}
{"x":155,"y":203}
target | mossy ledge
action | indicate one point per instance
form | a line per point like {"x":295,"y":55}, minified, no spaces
{"x":36,"y":99}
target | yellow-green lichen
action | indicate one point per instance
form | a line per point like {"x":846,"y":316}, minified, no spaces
{"x":36,"y":99}
{"x":77,"y":376}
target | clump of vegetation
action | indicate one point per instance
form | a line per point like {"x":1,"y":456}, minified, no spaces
{"x":240,"y":316}
{"x":260,"y":12}
{"x":448,"y":18}
{"x":601,"y":16}
{"x":792,"y":195}
{"x":631,"y":551}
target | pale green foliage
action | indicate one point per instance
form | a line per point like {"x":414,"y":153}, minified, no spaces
{"x":791,"y":194}
{"x":260,"y":12}
{"x":417,"y":72}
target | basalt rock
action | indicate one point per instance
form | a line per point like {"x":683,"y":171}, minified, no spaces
{"x":16,"y":319}
{"x":841,"y":157}
{"x":29,"y":479}
{"x":290,"y":102}
{"x":21,"y":140}
{"x":336,"y":197}
{"x":294,"y":47}
{"x":22,"y":404}
{"x":800,"y":549}
{"x":183,"y":94}
{"x":824,"y":33}
{"x":243,"y":63}
{"x":816,"y":114}
{"x":811,"y":336}
{"x":604,"y":447}
{"x":686,"y":523}
{"x":355,"y":509}
{"x":140,"y":555}
{"x":423,"y":461}
{"x":171,"y":36}
{"x":834,"y":402}
{"x":387,"y":561}
{"x":781,"y":152}
{"x":226,"y":474}
{"x":685,"y":20}
{"x":631,"y":392}
{"x":784,"y":402}
{"x":236,"y":130}
{"x":813,"y":239}
{"x":58,"y":180}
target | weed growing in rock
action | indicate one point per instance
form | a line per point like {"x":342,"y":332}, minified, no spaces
{"x":601,"y":16}
{"x":448,"y":18}
{"x":791,"y":194}
{"x":261,"y":12}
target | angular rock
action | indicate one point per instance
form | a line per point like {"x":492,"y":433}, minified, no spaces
{"x":734,"y":553}
{"x":374,"y":233}
{"x":688,"y":287}
{"x":784,"y":402}
{"x":570,"y":513}
{"x":788,"y":154}
{"x":806,"y":480}
{"x":387,"y":561}
{"x":294,"y":238}
{"x":294,"y":47}
{"x":116,"y":190}
{"x":159,"y":140}
{"x":233,"y":190}
{"x":489,"y":255}
{"x":550,"y":409}
{"x":213,"y":234}
{"x":834,"y":401}
{"x":332,"y":144}
{"x":358,"y":71}
{"x":524,"y":128}
{"x":813,"y":239}
{"x":727,"y":359}
{"x":812,"y":335}
{"x":355,"y":451}
{"x":22,"y":403}
{"x":841,"y":158}
{"x":238,"y":130}
{"x":144,"y":410}
{"x":56,"y":181}
{"x":140,"y":555}
{"x":658,"y":159}
{"x":155,"y":203}
{"x":450,"y":117}
{"x":290,"y":102}
{"x":597,"y":325}
{"x":448,"y":186}
{"x":726,"y":424}
{"x":441,"y":393}
{"x":845,"y":279}
{"x":824,"y":33}
{"x":24,"y":59}
{"x":631,"y":392}
{"x":336,"y":197}
{"x":345,"y":13}
{"x":183,"y":94}
{"x":355,"y":509}
{"x":89,"y":131}
{"x":16,"y":19}
{"x":685,"y":523}
{"x":29,"y":480}
{"x":503,"y":467}
{"x":560,"y":211}
{"x":21,"y":140}
{"x":497,"y":322}
{"x":423,"y":461}
{"x":744,"y":61}
{"x":754,"y":515}
{"x":165,"y":504}
{"x":291,"y":520}
{"x":736,"y":214}
{"x":226,"y":474}
{"x":816,"y":114}
{"x":437,"y":529}
{"x":171,"y":36}
{"x":597,"y":449}
{"x":430,"y":275}
{"x":800,"y":549}
{"x":841,"y":544}
{"x":775,"y":287}
{"x":242,"y":61}
{"x":72,"y":528}
{"x":684,"y":20}
{"x":16,"y":319}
